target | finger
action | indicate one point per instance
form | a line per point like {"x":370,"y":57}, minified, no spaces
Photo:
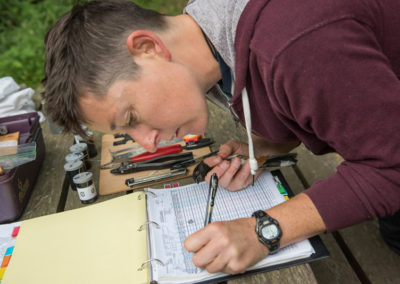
{"x":213,"y":161}
{"x":218,"y":264}
{"x":206,"y":255}
{"x":219,"y":170}
{"x":227,"y":149}
{"x":197,"y":240}
{"x":226,"y":178}
{"x":242,"y":178}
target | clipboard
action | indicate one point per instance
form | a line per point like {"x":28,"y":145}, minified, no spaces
{"x":154,"y":228}
{"x":99,"y":244}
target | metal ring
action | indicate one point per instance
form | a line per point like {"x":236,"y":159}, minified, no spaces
{"x":150,"y":260}
{"x":148,"y":223}
{"x":146,"y":192}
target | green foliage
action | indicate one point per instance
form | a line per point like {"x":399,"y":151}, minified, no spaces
{"x":24,"y":23}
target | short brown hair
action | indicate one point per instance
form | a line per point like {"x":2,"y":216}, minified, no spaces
{"x":86,"y":52}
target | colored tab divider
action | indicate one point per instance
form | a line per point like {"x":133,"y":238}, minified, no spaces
{"x":6,"y":261}
{"x":2,"y":270}
{"x":281,"y":189}
{"x":15,"y":232}
{"x":9,"y":250}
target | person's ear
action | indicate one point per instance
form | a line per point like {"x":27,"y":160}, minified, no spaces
{"x":146,"y":43}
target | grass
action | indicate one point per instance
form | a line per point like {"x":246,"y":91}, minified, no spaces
{"x":23,"y":24}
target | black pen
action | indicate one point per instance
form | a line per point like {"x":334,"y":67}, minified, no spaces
{"x":211,"y":198}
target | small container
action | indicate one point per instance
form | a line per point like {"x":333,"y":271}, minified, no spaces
{"x":81,"y":148}
{"x":85,"y":186}
{"x":72,"y":169}
{"x":72,"y":157}
{"x":89,"y":141}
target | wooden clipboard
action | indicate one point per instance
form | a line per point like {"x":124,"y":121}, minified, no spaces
{"x":110,"y":183}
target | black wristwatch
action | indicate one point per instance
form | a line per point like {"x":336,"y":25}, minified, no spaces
{"x":268,"y":230}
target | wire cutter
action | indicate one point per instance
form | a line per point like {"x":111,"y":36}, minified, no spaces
{"x":158,"y":163}
{"x":162,"y":151}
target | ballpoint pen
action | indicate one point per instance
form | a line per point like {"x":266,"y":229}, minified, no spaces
{"x":211,"y":198}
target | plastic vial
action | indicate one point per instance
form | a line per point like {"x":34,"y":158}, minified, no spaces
{"x":81,"y":148}
{"x":72,"y":169}
{"x":85,"y":186}
{"x":89,"y":141}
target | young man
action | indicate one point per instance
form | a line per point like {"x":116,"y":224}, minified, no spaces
{"x":324,"y":73}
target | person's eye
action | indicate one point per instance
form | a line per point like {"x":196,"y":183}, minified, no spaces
{"x":131,"y":120}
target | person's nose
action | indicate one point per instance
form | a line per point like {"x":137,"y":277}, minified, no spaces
{"x":147,"y":138}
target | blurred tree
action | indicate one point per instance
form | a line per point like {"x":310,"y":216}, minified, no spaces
{"x":23,"y":24}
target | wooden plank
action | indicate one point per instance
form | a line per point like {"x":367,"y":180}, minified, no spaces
{"x":296,"y":274}
{"x":335,"y":268}
{"x":378,"y":263}
{"x":47,"y":190}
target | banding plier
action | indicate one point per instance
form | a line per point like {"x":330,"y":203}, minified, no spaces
{"x":173,"y":161}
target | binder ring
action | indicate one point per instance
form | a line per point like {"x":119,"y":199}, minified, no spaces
{"x":141,"y":195}
{"x":148,"y":223}
{"x":150,"y":260}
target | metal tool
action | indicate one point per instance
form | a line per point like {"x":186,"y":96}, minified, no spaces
{"x":139,"y":149}
{"x":163,"y":162}
{"x":125,"y":139}
{"x":171,"y":149}
{"x":274,"y":161}
{"x":131,"y":182}
{"x":194,"y":160}
{"x":128,"y":157}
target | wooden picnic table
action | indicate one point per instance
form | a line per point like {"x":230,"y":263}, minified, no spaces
{"x":52,"y":194}
{"x":357,"y":254}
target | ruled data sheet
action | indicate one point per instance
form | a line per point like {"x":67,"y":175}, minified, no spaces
{"x":181,"y":211}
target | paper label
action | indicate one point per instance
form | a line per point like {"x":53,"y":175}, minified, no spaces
{"x":86,"y":193}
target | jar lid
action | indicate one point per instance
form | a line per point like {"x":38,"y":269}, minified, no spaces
{"x":73,"y":157}
{"x":82,"y":177}
{"x":80,"y":147}
{"x":72,"y":166}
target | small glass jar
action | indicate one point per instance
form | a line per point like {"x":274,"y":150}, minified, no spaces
{"x":89,"y":141}
{"x":72,"y":157}
{"x":85,"y":186}
{"x":81,"y":148}
{"x":73,"y":168}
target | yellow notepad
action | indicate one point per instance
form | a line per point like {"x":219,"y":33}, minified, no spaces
{"x":92,"y":245}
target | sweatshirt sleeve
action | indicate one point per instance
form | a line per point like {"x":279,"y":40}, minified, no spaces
{"x":335,"y":82}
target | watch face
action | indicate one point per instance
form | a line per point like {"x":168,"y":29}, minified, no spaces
{"x":270,"y":232}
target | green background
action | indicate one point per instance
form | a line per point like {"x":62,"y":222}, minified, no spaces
{"x":24,"y":23}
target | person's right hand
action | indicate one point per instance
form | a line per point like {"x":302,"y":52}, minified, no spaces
{"x":231,"y":175}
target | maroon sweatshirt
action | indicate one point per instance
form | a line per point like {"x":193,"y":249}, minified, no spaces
{"x":326,"y":72}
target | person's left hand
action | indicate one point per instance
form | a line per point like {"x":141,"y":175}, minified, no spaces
{"x":229,"y":246}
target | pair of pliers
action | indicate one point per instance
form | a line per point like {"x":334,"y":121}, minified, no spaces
{"x":158,"y":163}
{"x":161,"y":151}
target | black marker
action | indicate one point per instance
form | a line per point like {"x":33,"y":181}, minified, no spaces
{"x":211,"y":198}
